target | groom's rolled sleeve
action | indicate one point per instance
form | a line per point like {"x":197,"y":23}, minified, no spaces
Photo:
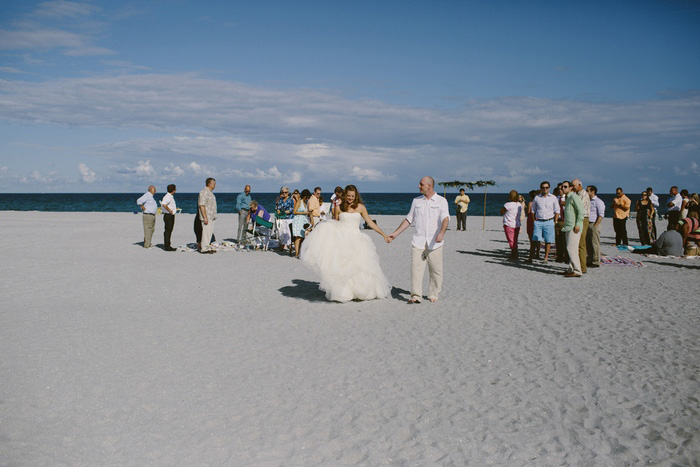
{"x":444,"y":210}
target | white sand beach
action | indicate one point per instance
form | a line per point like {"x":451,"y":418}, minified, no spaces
{"x":116,"y":355}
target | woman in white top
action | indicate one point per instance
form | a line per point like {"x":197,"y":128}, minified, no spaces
{"x":511,"y":212}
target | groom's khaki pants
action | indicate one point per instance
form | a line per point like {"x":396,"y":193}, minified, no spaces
{"x":419,"y":258}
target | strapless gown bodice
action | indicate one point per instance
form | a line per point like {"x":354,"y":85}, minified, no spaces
{"x":346,"y":260}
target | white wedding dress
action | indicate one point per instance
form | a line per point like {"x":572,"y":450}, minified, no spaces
{"x":346,"y":259}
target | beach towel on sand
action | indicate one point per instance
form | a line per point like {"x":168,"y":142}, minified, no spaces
{"x":620,"y":261}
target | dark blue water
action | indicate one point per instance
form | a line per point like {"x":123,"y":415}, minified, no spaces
{"x":377,"y":203}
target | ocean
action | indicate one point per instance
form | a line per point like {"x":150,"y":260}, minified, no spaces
{"x":376,"y":203}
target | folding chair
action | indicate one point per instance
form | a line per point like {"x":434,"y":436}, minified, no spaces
{"x":262,"y":231}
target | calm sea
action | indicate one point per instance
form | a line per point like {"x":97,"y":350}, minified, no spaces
{"x":377,"y":203}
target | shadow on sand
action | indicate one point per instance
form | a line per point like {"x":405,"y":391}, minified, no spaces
{"x":305,"y":290}
{"x":311,"y":291}
{"x":501,"y":257}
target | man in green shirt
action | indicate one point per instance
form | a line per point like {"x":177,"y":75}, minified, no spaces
{"x":573,"y":225}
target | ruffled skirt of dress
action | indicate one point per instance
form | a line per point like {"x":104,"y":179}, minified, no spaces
{"x":347,"y":261}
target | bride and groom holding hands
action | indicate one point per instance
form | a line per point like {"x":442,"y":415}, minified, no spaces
{"x":346,"y":259}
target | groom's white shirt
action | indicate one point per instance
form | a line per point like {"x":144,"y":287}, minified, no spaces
{"x":426,"y":215}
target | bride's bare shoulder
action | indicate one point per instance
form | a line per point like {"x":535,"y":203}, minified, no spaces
{"x":359,"y":209}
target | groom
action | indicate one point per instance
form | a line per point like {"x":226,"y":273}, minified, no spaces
{"x":430,"y":215}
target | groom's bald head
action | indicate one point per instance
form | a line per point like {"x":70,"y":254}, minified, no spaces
{"x":426,"y":186}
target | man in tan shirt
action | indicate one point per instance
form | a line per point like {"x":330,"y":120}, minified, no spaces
{"x":315,"y":205}
{"x":462,"y":201}
{"x":621,"y":207}
{"x":206,"y":204}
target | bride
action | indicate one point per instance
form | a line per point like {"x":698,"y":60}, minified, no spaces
{"x":343,"y":256}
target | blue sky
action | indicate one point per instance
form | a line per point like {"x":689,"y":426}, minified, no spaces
{"x":103,"y":96}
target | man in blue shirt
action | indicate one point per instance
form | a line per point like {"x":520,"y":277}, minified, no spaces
{"x":595,"y":218}
{"x":149,"y":207}
{"x":243,"y":205}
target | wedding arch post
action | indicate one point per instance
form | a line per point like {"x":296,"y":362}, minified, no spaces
{"x":470,"y":185}
{"x":485,"y":184}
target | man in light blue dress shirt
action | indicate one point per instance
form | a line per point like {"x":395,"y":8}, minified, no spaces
{"x":243,"y":206}
{"x":149,"y":207}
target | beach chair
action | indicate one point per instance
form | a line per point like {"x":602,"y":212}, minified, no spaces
{"x":327,"y":209}
{"x":262,"y":231}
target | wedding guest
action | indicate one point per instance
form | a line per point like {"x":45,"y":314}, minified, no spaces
{"x":256,"y":210}
{"x":559,"y":236}
{"x":546,"y":210}
{"x":684,"y":205}
{"x":336,"y":201}
{"x":530,"y":214}
{"x":284,"y":209}
{"x":669,"y":243}
{"x":149,"y":207}
{"x":531,"y":222}
{"x":595,"y":218}
{"x":243,"y":207}
{"x":511,"y":212}
{"x":301,"y":220}
{"x":694,"y":206}
{"x":586,"y":201}
{"x":198,"y":231}
{"x":573,"y":213}
{"x":169,"y":210}
{"x":206,"y":204}
{"x":523,"y":214}
{"x":462,"y":201}
{"x":621,"y":211}
{"x":689,"y":228}
{"x":675,"y":201}
{"x":653,"y":197}
{"x":314,"y":206}
{"x":645,"y":220}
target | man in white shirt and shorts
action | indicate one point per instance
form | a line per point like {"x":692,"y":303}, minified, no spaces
{"x":546,"y":209}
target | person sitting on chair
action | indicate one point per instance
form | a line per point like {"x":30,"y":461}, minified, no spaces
{"x":257,"y":211}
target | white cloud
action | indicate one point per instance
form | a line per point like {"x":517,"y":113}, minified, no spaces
{"x":141,"y":169}
{"x":64,"y":9}
{"x":324,"y":136}
{"x":173,"y":171}
{"x":195,"y":168}
{"x":38,"y":37}
{"x":313,"y":151}
{"x":372,"y":175}
{"x":86,"y":175}
{"x":37,"y":177}
{"x":271,"y":174}
{"x":56,"y":25}
{"x":691,"y":168}
{"x":144,"y":169}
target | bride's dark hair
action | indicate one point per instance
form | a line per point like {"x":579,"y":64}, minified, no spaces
{"x":358,"y":199}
